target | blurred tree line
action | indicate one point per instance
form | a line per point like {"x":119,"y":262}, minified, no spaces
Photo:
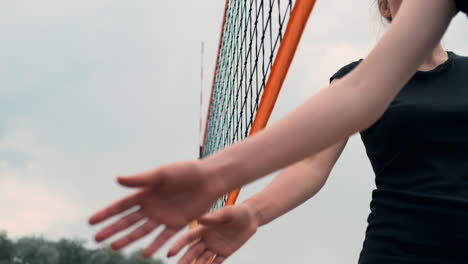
{"x":36,"y":250}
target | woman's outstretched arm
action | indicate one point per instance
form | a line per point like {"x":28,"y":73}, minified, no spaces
{"x":348,"y":106}
{"x":225,"y":231}
{"x":175,"y":194}
{"x":295,"y":185}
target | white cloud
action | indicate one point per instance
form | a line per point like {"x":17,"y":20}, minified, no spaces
{"x":29,"y":207}
{"x":323,"y":60}
{"x":31,"y":200}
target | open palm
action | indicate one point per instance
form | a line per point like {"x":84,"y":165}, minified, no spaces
{"x":171,"y":196}
{"x":218,"y":236}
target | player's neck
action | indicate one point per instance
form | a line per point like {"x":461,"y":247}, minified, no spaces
{"x":436,"y":58}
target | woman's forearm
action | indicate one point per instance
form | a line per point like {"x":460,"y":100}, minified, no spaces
{"x":294,"y":185}
{"x":348,"y":106}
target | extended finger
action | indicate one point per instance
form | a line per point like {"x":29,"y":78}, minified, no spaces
{"x":192,"y":253}
{"x":142,"y":179}
{"x":206,"y":256}
{"x":185,"y":240}
{"x":116,"y":208}
{"x":136,"y":234}
{"x":162,"y":238}
{"x":120,"y":225}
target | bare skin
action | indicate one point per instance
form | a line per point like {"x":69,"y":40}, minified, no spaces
{"x":230,"y":227}
{"x":174,"y":194}
{"x":302,"y":180}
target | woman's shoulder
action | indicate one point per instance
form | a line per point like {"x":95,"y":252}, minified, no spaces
{"x":345,"y":70}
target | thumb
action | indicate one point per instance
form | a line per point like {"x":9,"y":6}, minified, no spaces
{"x":221,"y":216}
{"x":143,"y":179}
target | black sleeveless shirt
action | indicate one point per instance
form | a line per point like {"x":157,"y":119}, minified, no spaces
{"x":462,"y":5}
{"x":419,"y":153}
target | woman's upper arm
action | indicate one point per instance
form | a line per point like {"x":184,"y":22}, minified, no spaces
{"x":326,"y":159}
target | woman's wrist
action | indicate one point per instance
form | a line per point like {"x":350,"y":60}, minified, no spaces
{"x":255,"y":211}
{"x":215,"y":173}
{"x":223,"y":171}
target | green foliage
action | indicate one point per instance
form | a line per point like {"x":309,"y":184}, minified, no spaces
{"x":6,"y":249}
{"x":37,"y":250}
{"x":135,"y":258}
{"x":71,"y":251}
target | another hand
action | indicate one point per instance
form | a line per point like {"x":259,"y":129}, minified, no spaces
{"x":172,"y":195}
{"x":219,"y":234}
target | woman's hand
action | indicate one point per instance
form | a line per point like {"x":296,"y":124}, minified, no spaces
{"x":218,"y":235}
{"x":172,"y":196}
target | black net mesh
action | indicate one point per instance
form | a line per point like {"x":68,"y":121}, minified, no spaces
{"x":249,"y":43}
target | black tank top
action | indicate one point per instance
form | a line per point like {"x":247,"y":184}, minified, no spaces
{"x":462,"y":5}
{"x":419,"y":153}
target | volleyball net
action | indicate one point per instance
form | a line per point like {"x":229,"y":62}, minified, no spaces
{"x":257,"y":44}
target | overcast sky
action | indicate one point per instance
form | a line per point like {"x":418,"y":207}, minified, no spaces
{"x":92,"y":89}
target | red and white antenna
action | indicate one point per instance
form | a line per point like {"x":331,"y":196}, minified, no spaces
{"x":201,"y":101}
